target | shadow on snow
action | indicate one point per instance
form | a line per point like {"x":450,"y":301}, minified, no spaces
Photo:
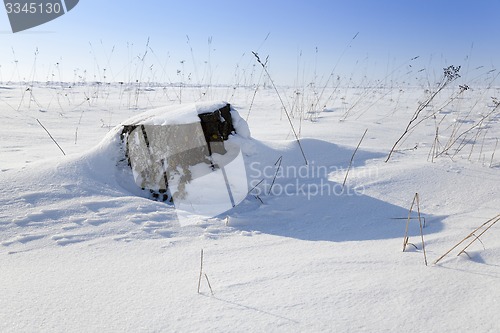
{"x":309,"y":206}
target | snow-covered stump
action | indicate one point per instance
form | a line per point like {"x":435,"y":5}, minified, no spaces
{"x":184,"y":155}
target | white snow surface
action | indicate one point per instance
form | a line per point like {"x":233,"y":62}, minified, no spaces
{"x":175,"y":114}
{"x":82,"y":251}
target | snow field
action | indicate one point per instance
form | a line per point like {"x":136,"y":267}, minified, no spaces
{"x":81,"y":250}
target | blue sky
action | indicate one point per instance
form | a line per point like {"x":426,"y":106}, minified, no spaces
{"x":305,"y":40}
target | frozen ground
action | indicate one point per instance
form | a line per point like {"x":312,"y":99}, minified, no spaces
{"x":80,"y":251}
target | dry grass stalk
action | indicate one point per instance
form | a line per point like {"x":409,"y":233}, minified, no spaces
{"x":450,"y":74}
{"x":421,"y":228}
{"x":333,"y":70}
{"x":493,"y":154}
{"x":465,"y":139}
{"x":264,"y":64}
{"x":50,"y":135}
{"x":278,"y":164}
{"x":209,"y":285}
{"x":416,"y":201}
{"x":405,"y":239}
{"x":352,"y":158}
{"x":203,"y":274}
{"x":201,"y":271}
{"x":494,"y":220}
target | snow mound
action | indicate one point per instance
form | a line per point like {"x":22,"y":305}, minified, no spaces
{"x":93,"y":195}
{"x":89,"y":196}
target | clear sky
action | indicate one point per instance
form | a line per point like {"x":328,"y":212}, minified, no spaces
{"x":305,"y":40}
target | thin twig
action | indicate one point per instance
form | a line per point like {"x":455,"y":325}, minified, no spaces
{"x":201,"y":271}
{"x":209,"y":286}
{"x":352,"y":158}
{"x":405,"y":218}
{"x":467,"y":237}
{"x":278,"y":162}
{"x":421,"y":228}
{"x":405,"y":240}
{"x":334,"y":69}
{"x":258,"y":198}
{"x":493,"y":155}
{"x":51,"y":137}
{"x":253,"y":188}
{"x":254,"y":94}
{"x":283,"y":104}
{"x":450,"y":74}
{"x":464,"y":134}
{"x":477,"y":237}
